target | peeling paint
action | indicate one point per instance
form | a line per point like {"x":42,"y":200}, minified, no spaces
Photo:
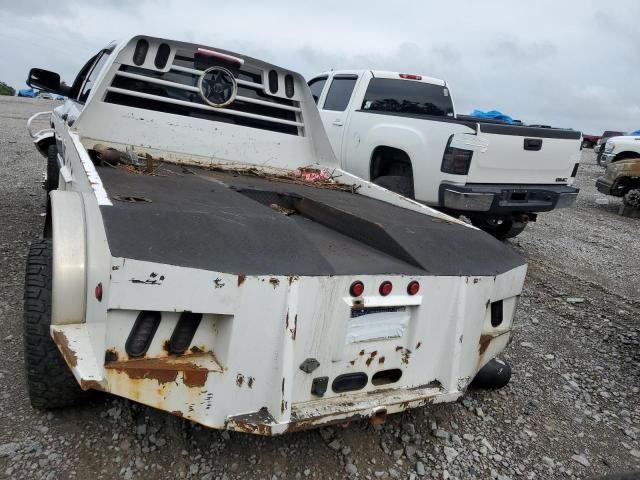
{"x":274,"y":281}
{"x":218,"y":283}
{"x":164,"y":370}
{"x":63,"y":345}
{"x":154,"y":279}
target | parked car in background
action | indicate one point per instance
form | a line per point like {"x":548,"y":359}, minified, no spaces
{"x":590,"y":141}
{"x":401,"y":132}
{"x":45,"y":96}
{"x":622,"y":179}
{"x":598,"y":149}
{"x":620,"y":148}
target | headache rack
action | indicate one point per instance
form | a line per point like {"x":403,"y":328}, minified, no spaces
{"x":176,"y":91}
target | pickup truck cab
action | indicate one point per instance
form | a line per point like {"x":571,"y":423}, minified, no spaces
{"x":401,"y":131}
{"x":204,"y":254}
{"x":620,"y":148}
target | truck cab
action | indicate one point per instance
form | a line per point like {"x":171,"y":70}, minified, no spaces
{"x":402,"y":132}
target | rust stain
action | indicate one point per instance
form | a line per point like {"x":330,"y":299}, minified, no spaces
{"x":487,"y":338}
{"x":274,"y":281}
{"x":91,"y":385}
{"x":381,"y":360}
{"x":63,"y":344}
{"x":373,"y":354}
{"x":418,"y":345}
{"x":369,"y":360}
{"x":292,"y":279}
{"x":405,"y":355}
{"x":197,"y":349}
{"x":250,"y":382}
{"x":163,"y":370}
{"x":294,"y":330}
{"x":110,"y":355}
{"x":352,"y":362}
{"x":239,"y":379}
{"x":177,"y":413}
{"x":165,"y":345}
{"x":283,"y":406}
{"x":195,"y":377}
{"x":241,"y":279}
{"x":361,"y":352}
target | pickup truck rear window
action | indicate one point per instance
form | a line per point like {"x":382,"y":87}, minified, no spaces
{"x":407,"y":96}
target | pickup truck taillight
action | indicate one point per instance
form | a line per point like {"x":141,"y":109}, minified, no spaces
{"x":456,"y":160}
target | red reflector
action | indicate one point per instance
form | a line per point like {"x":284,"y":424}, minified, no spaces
{"x":99,"y":292}
{"x":356,"y":289}
{"x":410,"y":76}
{"x":413,"y":288}
{"x":385,"y":288}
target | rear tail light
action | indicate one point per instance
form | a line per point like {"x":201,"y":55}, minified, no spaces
{"x":142,"y":333}
{"x":356,"y":289}
{"x":413,"y":288}
{"x":456,"y":160}
{"x":410,"y":76}
{"x":223,"y":57}
{"x":98,"y":292}
{"x":385,"y":288}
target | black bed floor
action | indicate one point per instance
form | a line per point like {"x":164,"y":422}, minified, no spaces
{"x":245,"y":224}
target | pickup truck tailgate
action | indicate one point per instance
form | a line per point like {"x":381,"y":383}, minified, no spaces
{"x":517,"y":154}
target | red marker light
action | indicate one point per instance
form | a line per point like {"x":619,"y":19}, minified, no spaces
{"x":413,"y":288}
{"x":99,"y":292}
{"x":356,"y":289}
{"x":385,"y":288}
{"x":410,"y":76}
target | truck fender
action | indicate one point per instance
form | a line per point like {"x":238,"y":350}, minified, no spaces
{"x":68,"y":227}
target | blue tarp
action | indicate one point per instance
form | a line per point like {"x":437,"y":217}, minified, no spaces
{"x":27,"y":92}
{"x":637,"y":132}
{"x":493,"y":115}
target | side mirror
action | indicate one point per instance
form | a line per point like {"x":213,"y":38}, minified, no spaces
{"x":44,"y":80}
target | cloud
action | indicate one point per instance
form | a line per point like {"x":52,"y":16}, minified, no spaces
{"x":567,"y":63}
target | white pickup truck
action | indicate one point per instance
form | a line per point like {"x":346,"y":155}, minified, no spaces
{"x":401,"y":131}
{"x":204,"y":254}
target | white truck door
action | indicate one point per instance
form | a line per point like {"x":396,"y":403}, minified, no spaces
{"x":334,"y":110}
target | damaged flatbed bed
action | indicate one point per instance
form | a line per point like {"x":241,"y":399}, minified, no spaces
{"x":206,"y":259}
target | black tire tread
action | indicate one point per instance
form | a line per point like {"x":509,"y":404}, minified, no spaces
{"x":50,"y":382}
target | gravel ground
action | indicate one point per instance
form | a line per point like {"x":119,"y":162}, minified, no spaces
{"x":572,"y":409}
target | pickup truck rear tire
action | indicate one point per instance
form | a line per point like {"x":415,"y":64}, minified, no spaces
{"x":53,"y":170}
{"x":499,"y":228}
{"x":397,"y":183}
{"x":50,"y":382}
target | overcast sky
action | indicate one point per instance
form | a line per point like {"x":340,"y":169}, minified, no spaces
{"x":570,"y":63}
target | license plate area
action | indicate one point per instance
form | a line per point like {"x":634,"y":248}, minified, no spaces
{"x":376,"y":323}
